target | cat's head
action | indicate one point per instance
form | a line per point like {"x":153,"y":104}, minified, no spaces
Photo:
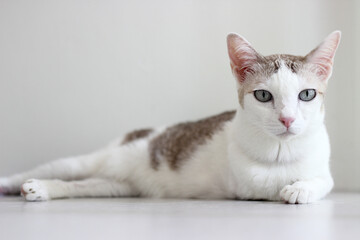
{"x":282,"y":95}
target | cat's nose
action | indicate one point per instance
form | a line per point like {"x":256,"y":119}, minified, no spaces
{"x":287,"y":121}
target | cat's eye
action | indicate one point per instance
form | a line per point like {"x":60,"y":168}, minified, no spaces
{"x":262,"y":95}
{"x":307,"y":95}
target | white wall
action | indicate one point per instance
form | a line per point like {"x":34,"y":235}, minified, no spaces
{"x":75,"y":74}
{"x":343,"y":104}
{"x":354,"y":179}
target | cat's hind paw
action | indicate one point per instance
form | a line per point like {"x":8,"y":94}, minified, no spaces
{"x":34,"y":190}
{"x":296,"y":193}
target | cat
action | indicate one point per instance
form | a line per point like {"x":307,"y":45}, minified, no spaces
{"x":273,"y":147}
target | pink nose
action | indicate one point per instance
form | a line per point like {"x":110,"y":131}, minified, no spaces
{"x":287,"y":121}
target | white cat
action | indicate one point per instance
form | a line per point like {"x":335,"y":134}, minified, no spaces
{"x":275,"y":146}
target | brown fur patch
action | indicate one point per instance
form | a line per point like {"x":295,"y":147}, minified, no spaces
{"x":178,"y":142}
{"x":291,"y":61}
{"x":135,"y":135}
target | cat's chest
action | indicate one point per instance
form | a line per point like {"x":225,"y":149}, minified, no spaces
{"x":263,"y":181}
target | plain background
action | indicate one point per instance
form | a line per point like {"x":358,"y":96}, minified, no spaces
{"x":75,"y":74}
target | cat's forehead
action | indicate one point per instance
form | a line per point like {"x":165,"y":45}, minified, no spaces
{"x":291,"y":71}
{"x":278,"y":70}
{"x":281,"y":74}
{"x":272,"y":63}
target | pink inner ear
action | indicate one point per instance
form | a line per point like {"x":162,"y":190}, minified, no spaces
{"x":324,"y":68}
{"x":242,"y":72}
{"x":323,"y":60}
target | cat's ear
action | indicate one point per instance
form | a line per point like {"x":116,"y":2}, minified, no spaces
{"x":242,"y":56}
{"x":323,"y":56}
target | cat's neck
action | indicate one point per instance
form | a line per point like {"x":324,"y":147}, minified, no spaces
{"x":261,"y":147}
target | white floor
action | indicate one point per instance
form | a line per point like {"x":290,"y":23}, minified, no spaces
{"x":336,"y":217}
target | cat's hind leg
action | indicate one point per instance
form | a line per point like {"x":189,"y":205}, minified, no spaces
{"x":72,"y":168}
{"x":42,"y":190}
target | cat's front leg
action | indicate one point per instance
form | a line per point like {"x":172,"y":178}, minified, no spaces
{"x":307,"y":191}
{"x":8,"y":187}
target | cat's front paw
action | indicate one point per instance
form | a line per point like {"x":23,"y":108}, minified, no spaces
{"x":297,"y":193}
{"x":34,"y":190}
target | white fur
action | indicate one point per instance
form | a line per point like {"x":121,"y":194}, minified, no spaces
{"x":263,"y":163}
{"x":245,"y":160}
{"x":252,"y":157}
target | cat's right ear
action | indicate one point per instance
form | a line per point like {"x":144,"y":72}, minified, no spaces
{"x":242,"y":56}
{"x":323,"y":56}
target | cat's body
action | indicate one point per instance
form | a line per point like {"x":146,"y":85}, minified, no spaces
{"x":272,"y":147}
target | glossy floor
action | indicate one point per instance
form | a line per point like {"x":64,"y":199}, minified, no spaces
{"x":336,"y":217}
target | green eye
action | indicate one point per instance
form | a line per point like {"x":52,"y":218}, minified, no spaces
{"x":307,"y":95}
{"x":262,"y":95}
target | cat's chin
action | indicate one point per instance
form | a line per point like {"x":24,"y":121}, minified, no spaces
{"x":287,"y":135}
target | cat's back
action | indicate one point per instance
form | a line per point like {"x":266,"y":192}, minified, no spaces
{"x":173,"y":158}
{"x":179,"y":142}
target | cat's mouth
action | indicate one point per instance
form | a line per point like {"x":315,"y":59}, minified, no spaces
{"x":286,"y":134}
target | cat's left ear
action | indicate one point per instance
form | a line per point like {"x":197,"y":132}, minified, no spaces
{"x":242,"y":56}
{"x":323,"y":56}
